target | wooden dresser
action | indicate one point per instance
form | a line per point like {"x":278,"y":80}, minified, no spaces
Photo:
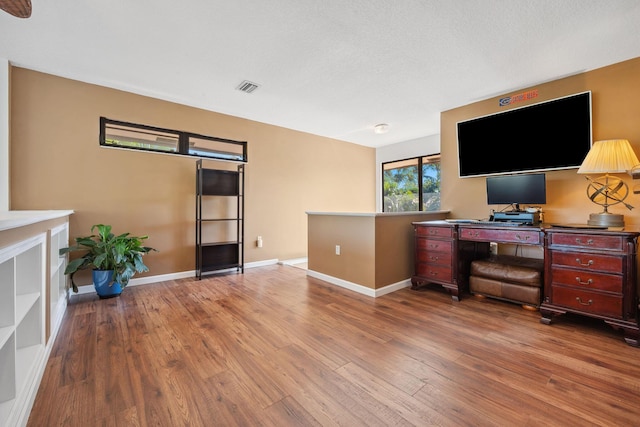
{"x":435,"y":249}
{"x":592,"y":273}
{"x":443,"y":258}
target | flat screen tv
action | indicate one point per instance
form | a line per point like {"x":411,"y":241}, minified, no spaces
{"x":550,"y":135}
{"x":516,"y":190}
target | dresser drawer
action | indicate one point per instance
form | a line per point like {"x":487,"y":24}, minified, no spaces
{"x":434,"y":245}
{"x":430,"y":231}
{"x":587,"y":279}
{"x":434,"y":272}
{"x":588,"y":261}
{"x":588,"y":241}
{"x":434,"y":257}
{"x":587,"y":301}
{"x":507,"y":235}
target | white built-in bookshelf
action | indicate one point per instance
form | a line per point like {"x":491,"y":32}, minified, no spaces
{"x":22,"y":337}
{"x":32,"y":295}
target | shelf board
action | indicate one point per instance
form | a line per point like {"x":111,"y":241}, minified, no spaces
{"x":212,"y":244}
{"x":5,"y":334}
{"x":209,"y":269}
{"x":24,"y":303}
{"x":55,"y":269}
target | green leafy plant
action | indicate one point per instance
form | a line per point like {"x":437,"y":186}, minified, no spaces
{"x":106,"y":251}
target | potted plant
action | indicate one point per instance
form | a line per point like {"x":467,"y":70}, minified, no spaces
{"x":113,"y":259}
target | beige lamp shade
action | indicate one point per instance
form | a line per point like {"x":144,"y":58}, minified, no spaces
{"x":609,"y":156}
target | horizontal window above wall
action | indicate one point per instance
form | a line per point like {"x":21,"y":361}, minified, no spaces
{"x":118,"y":134}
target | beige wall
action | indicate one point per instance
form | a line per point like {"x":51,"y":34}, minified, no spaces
{"x":376,"y":250}
{"x":395,"y":246}
{"x":4,"y":134}
{"x":57,"y":163}
{"x":355,"y":234}
{"x":615,"y":110}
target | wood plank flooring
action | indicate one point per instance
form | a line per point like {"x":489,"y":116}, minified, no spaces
{"x":273,"y":347}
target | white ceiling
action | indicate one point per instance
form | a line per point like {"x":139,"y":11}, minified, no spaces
{"x":333,"y":68}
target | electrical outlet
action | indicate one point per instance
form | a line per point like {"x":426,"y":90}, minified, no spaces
{"x":337,"y":249}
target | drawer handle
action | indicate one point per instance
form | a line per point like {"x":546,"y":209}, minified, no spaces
{"x":432,"y":232}
{"x":434,"y":246}
{"x":434,"y":258}
{"x":519,"y":237}
{"x":584,"y":303}
{"x":473,"y":233}
{"x":588,"y":282}
{"x":587,"y":264}
{"x":433,"y":273}
{"x":580,"y":242}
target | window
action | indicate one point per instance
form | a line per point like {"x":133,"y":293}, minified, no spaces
{"x":411,"y":184}
{"x":118,"y":134}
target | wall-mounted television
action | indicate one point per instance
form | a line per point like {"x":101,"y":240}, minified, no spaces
{"x":549,"y":135}
{"x":516,"y":190}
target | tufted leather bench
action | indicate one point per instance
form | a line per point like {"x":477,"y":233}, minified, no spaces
{"x":507,"y":277}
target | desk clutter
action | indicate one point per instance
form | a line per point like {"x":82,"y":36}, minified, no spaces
{"x":587,"y":271}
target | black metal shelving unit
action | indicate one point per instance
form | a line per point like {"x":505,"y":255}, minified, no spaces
{"x":219,"y":220}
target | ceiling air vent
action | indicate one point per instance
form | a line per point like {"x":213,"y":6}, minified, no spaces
{"x":247,"y":86}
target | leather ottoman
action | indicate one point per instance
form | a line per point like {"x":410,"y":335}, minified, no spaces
{"x":507,"y":277}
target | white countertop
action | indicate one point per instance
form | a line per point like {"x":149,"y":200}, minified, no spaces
{"x":15,"y":219}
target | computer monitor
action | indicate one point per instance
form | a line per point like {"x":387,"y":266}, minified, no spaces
{"x":516,"y":190}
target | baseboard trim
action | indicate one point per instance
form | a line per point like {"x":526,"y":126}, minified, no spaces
{"x":87,"y":289}
{"x":294,"y":261}
{"x":364,"y":290}
{"x":360,"y":288}
{"x":261,"y":263}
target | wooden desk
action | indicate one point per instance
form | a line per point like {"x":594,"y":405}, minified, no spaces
{"x":444,"y":251}
{"x":588,"y":272}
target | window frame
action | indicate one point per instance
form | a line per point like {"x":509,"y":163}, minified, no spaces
{"x":182,"y":137}
{"x":419,"y":165}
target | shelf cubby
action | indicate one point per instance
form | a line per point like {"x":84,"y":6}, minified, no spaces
{"x":7,"y":377}
{"x":22,"y":311}
{"x":59,"y":238}
{"x":7,"y":290}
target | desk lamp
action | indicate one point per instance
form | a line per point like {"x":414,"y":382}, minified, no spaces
{"x":607,"y":157}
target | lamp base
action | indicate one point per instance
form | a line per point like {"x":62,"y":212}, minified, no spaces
{"x":606,"y":219}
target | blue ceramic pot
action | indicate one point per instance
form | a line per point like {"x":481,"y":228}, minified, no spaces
{"x":104,"y":284}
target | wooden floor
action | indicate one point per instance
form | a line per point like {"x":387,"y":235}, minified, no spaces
{"x":273,"y":347}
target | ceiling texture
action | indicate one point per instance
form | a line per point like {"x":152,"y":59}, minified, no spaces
{"x":334,"y":68}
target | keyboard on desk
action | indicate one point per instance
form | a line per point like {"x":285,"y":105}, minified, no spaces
{"x":500,"y":223}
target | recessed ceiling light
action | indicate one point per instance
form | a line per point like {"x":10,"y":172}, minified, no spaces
{"x":381,"y":128}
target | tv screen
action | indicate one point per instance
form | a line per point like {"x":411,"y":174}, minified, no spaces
{"x":529,"y":189}
{"x":550,"y":135}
